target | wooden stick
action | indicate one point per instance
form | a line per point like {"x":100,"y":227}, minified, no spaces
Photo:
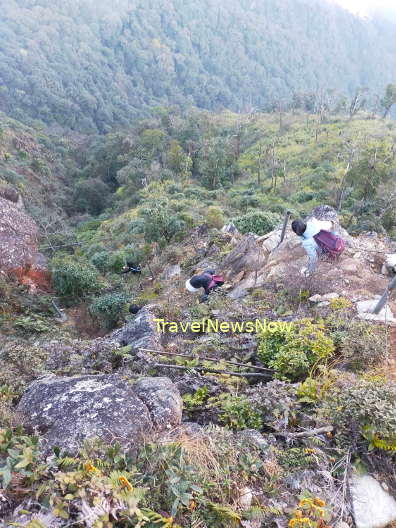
{"x":205,"y":359}
{"x":309,"y":432}
{"x":215,"y":371}
{"x":381,"y":303}
{"x":284,"y":227}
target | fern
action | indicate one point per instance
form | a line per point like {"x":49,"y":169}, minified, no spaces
{"x":259,"y":513}
{"x":68,"y":462}
{"x":226,"y":514}
{"x":159,"y":520}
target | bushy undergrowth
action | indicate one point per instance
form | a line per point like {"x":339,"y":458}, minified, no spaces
{"x":194,"y":480}
{"x":354,"y":407}
{"x":108,"y":308}
{"x":73,"y":278}
{"x":292,"y":352}
{"x":257,"y":222}
{"x":20,"y":363}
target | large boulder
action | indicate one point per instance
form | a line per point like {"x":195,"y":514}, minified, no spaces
{"x":373,"y":507}
{"x":140,"y":333}
{"x":18,"y":237}
{"x":68,"y":410}
{"x":18,"y":247}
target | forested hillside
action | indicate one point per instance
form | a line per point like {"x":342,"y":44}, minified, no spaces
{"x":90,"y":65}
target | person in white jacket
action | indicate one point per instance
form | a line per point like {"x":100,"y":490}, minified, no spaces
{"x":307,"y":231}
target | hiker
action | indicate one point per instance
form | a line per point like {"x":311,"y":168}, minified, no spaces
{"x":318,"y":237}
{"x":132,"y":268}
{"x":208,"y":280}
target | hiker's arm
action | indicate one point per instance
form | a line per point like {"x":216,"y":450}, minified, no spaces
{"x":205,"y":285}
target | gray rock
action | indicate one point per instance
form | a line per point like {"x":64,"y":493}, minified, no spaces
{"x":254,"y":438}
{"x":139,"y":333}
{"x":171,"y":271}
{"x":162,"y":399}
{"x":229,"y":228}
{"x":372,"y":506}
{"x":389,"y":266}
{"x":238,"y":293}
{"x":67,"y":411}
{"x":365,"y":311}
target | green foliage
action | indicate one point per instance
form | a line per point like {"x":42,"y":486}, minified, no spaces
{"x":353,"y":407}
{"x":363,"y":345}
{"x":292,"y":354}
{"x":73,"y":278}
{"x":20,"y":363}
{"x":197,"y":399}
{"x":108,"y":308}
{"x":295,"y":458}
{"x":91,"y":196}
{"x":19,"y":453}
{"x":101,"y":260}
{"x":161,"y":224}
{"x":215,"y":217}
{"x":275,"y":402}
{"x":258,"y":222}
{"x":32,"y":324}
{"x":156,"y":66}
{"x":237,"y":413}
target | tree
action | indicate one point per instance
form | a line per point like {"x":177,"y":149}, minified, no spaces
{"x":389,"y":99}
{"x":358,"y":102}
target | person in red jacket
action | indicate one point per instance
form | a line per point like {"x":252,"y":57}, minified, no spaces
{"x":208,"y":280}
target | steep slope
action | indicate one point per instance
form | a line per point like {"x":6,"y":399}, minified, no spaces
{"x":90,"y":66}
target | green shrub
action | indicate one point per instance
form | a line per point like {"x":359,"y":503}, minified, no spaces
{"x":215,"y":217}
{"x":101,"y":261}
{"x":237,"y":413}
{"x":275,"y":402}
{"x":20,"y":364}
{"x":108,"y":308}
{"x":293,"y":351}
{"x":73,"y":278}
{"x":364,"y":345}
{"x":161,"y":224}
{"x":353,"y":408}
{"x":257,"y":222}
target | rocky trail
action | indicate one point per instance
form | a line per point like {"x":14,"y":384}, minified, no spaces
{"x":137,"y":384}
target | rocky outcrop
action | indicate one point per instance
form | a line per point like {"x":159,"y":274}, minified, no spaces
{"x":18,"y":247}
{"x":373,"y":507}
{"x":365,"y":311}
{"x":68,"y":411}
{"x":244,"y":262}
{"x":389,"y":266}
{"x":162,"y":399}
{"x":140,"y":333}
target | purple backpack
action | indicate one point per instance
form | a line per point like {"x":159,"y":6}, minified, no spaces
{"x":331,"y":244}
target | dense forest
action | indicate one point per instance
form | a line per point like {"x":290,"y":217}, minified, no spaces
{"x":90,"y":66}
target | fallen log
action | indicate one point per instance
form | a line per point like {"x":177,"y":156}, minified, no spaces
{"x":308,"y":432}
{"x":189,"y":356}
{"x":216,"y":371}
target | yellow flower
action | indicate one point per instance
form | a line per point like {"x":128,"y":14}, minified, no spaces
{"x":292,"y":523}
{"x":319,"y":502}
{"x":305,"y":520}
{"x":298,"y":514}
{"x":125,"y":483}
{"x":90,"y":467}
{"x":304,"y":502}
{"x":308,"y":451}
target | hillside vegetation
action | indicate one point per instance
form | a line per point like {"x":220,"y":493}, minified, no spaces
{"x":90,"y":66}
{"x":227,"y":449}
